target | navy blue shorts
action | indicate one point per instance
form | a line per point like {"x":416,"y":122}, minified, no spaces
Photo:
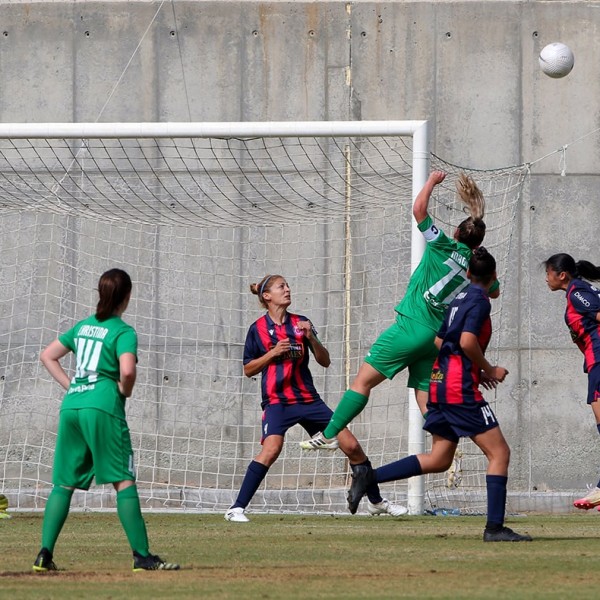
{"x":453,"y":421}
{"x":278,"y":418}
{"x":594,"y":384}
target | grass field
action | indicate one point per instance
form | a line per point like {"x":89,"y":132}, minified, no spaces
{"x":307,"y":557}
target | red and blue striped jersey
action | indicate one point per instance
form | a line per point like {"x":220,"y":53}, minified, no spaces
{"x":583,"y":304}
{"x":287,"y":380}
{"x":455,"y":378}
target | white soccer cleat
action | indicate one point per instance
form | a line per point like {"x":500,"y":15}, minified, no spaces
{"x":236,"y":515}
{"x":318,"y":442}
{"x":385,"y":507}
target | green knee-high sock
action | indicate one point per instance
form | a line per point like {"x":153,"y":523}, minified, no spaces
{"x":350,"y":405}
{"x":55,"y":515}
{"x":130,"y":515}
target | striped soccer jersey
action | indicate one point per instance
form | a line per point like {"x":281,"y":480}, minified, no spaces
{"x":454,"y":378}
{"x":583,"y":304}
{"x":287,"y":380}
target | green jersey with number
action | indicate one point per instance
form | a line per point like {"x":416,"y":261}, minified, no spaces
{"x":97,"y":346}
{"x":440,"y":276}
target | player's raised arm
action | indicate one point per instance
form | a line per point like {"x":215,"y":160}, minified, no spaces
{"x":422,"y":200}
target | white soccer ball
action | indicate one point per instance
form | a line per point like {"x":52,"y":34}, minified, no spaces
{"x":556,"y":60}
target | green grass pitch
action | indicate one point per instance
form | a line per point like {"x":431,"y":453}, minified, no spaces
{"x":289,"y":557}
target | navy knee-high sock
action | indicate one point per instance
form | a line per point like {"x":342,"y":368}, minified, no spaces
{"x":496,"y":500}
{"x":401,"y":469}
{"x":255,"y":473}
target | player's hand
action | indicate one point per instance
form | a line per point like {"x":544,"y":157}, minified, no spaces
{"x":498,"y":374}
{"x":487,"y":382}
{"x":436,"y":177}
{"x":281,"y":347}
{"x":307,"y":329}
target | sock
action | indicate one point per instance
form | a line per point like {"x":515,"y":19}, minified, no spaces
{"x":496,"y":500}
{"x":255,"y":473}
{"x":55,"y":515}
{"x":598,"y":427}
{"x":401,"y":469}
{"x":351,"y":405}
{"x":130,"y":515}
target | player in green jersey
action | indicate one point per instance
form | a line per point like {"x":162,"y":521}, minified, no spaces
{"x":409,"y":342}
{"x":93,"y":437}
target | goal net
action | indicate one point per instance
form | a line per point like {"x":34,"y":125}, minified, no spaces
{"x":195,"y":218}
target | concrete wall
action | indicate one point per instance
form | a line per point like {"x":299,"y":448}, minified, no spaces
{"x":471,"y":68}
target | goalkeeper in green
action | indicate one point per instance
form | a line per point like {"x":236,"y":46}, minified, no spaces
{"x":409,"y":342}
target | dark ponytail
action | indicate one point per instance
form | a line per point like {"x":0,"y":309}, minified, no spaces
{"x":587,"y":270}
{"x":113,"y":288}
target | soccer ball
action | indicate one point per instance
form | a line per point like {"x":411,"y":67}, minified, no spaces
{"x":556,"y":60}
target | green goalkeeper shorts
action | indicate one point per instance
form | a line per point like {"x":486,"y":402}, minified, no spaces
{"x":91,"y":443}
{"x":406,"y":343}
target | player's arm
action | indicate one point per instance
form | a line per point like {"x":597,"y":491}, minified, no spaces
{"x":422,"y":200}
{"x":50,"y":358}
{"x":470,"y":346}
{"x":256,"y":365}
{"x":438,"y":342}
{"x":127,"y":373}
{"x":494,"y":290}
{"x":314,"y":343}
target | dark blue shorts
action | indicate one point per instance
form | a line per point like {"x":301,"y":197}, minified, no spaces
{"x":278,"y":418}
{"x":453,"y":421}
{"x":594,"y":384}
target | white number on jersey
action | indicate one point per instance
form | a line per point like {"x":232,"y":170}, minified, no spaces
{"x":88,"y":355}
{"x":456,"y":270}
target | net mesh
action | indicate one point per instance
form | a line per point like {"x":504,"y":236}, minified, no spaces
{"x":194,"y":222}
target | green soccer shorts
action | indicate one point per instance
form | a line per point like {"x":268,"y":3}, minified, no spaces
{"x":406,"y":343}
{"x":91,"y":443}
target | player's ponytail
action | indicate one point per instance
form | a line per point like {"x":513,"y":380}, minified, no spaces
{"x":114,"y":287}
{"x":482,"y":266}
{"x":472,"y":230}
{"x":587,"y":270}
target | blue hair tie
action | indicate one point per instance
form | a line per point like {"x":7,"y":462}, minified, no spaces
{"x":262,"y":287}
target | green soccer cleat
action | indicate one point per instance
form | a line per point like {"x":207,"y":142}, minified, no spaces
{"x":152,"y":563}
{"x":44,"y":563}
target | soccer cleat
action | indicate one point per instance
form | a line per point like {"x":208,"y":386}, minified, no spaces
{"x":44,"y":562}
{"x":152,"y":563}
{"x":318,"y":442}
{"x":236,"y":515}
{"x":385,"y":507}
{"x":504,"y":534}
{"x":362,"y":477}
{"x":589,"y":501}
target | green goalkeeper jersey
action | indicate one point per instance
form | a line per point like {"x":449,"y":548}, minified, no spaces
{"x":97,"y":346}
{"x":440,"y":276}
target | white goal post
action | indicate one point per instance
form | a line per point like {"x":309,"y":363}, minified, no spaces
{"x":195,"y":212}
